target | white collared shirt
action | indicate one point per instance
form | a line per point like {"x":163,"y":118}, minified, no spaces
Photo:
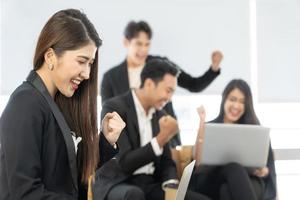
{"x":76,"y":140}
{"x":134,"y":76}
{"x":146,"y":133}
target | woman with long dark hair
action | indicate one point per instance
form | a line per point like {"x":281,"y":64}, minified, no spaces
{"x":50,"y":144}
{"x":233,"y":181}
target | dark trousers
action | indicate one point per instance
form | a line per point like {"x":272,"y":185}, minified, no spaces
{"x":138,"y":187}
{"x":144,"y":187}
{"x":192,"y":195}
{"x":228,"y":182}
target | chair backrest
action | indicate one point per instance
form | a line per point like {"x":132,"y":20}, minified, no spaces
{"x":89,"y":193}
{"x":182,"y":156}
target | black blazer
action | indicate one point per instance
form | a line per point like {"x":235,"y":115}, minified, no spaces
{"x":38,"y":159}
{"x":131,"y":155}
{"x":115,"y":82}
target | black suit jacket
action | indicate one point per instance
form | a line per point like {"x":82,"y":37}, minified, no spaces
{"x":38,"y":159}
{"x":115,"y":82}
{"x":131,"y":155}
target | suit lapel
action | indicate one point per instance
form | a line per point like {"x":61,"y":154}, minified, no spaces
{"x":155,"y":124}
{"x":36,"y":81}
{"x":132,"y":119}
{"x":122,"y":78}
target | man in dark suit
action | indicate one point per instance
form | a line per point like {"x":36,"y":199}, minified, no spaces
{"x":121,"y":78}
{"x":144,"y":154}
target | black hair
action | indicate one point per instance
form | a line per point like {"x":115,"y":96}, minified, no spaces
{"x":134,"y":28}
{"x":156,"y":69}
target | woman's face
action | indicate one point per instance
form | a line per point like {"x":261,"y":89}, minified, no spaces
{"x":234,"y":106}
{"x":73,"y":67}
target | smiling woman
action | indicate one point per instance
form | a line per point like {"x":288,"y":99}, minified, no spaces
{"x":68,"y":70}
{"x":51,"y":119}
{"x":232,"y":180}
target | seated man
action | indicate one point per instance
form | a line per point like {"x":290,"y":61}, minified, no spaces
{"x":144,"y":154}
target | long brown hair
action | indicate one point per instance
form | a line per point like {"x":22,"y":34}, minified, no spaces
{"x":70,"y":30}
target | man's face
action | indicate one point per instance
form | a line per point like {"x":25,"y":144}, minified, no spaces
{"x":161,"y":93}
{"x":137,"y":49}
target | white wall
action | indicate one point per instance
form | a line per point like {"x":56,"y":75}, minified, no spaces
{"x":278,"y":42}
{"x":186,"y":31}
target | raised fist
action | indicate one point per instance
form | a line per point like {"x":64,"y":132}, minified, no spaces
{"x":168,"y":128}
{"x":216,"y":58}
{"x":112,"y":126}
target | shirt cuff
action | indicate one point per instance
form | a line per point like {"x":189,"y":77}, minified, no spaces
{"x":155,"y":146}
{"x":215,"y":72}
{"x":171,"y":182}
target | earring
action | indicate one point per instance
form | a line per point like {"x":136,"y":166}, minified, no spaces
{"x":50,"y":67}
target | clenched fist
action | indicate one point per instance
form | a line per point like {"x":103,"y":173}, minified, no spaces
{"x":201,"y":113}
{"x":168,"y":128}
{"x":112,"y":126}
{"x":216,"y":58}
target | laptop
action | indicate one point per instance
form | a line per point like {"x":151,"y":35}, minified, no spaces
{"x":247,"y":145}
{"x":184,"y":181}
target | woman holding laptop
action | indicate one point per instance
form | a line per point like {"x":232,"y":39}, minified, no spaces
{"x":233,"y":181}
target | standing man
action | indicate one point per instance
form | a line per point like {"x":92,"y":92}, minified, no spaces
{"x":137,"y":39}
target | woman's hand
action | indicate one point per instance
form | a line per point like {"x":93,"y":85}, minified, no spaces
{"x":261,"y":172}
{"x":201,"y":113}
{"x":200,"y":135}
{"x":112,"y":126}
